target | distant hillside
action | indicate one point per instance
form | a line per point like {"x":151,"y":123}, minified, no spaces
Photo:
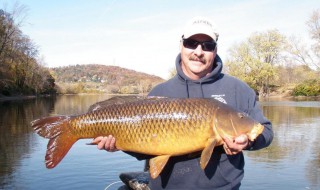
{"x":102,"y":78}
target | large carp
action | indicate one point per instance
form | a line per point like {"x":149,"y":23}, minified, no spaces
{"x":162,"y":127}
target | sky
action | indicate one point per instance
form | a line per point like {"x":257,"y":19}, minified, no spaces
{"x":144,"y":35}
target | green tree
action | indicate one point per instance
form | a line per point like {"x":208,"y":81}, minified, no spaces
{"x":255,"y":59}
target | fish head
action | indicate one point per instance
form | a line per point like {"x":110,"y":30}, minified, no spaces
{"x":231,"y":123}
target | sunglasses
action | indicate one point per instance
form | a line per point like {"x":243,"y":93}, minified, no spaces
{"x":193,"y":44}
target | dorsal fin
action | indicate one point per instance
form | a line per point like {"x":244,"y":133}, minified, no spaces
{"x":114,"y":101}
{"x":119,"y":100}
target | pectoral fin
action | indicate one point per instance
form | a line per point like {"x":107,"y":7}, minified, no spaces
{"x":157,"y":164}
{"x":207,"y":152}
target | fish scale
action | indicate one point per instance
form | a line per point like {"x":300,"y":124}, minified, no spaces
{"x":135,"y":124}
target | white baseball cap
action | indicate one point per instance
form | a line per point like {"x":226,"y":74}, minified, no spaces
{"x":200,"y":25}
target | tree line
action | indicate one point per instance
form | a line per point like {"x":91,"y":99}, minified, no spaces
{"x":269,"y":60}
{"x":21,"y":69}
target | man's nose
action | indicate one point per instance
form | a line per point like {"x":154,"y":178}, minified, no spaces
{"x":198,"y":50}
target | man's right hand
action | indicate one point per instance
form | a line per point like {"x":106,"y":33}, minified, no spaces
{"x":107,"y":143}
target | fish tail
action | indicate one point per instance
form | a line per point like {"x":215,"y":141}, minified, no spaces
{"x":56,"y":129}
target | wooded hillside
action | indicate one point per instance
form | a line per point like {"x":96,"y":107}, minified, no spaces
{"x":21,"y":70}
{"x":102,"y":78}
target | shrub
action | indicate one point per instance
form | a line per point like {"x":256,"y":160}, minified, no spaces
{"x":307,"y":88}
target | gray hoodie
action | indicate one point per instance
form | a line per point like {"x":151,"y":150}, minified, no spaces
{"x":223,"y":171}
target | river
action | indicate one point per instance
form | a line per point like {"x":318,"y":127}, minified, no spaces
{"x":291,"y":162}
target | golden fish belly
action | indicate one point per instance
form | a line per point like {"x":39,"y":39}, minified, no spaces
{"x":171,"y":126}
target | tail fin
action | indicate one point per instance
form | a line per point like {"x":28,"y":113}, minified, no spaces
{"x":61,"y":139}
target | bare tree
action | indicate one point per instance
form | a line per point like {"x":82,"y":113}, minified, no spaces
{"x":10,"y":22}
{"x":314,"y":29}
{"x":299,"y":52}
{"x":306,"y":54}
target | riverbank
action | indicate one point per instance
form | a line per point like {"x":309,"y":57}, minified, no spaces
{"x":19,"y":97}
{"x":286,"y":94}
{"x":272,"y":97}
{"x":25,"y":97}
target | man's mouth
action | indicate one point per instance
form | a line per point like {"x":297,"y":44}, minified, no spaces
{"x":198,"y":59}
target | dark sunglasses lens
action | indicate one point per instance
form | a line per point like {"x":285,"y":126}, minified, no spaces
{"x":208,"y":46}
{"x":191,"y":44}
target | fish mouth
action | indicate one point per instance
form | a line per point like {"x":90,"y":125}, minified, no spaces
{"x":255,"y":131}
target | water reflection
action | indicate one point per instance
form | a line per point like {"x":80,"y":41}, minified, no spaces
{"x":294,"y":153}
{"x":76,"y":104}
{"x":15,"y":133}
{"x":296,"y":128}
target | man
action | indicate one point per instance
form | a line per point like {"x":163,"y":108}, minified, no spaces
{"x":199,"y":76}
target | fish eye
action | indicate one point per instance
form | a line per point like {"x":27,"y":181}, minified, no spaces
{"x":241,"y":115}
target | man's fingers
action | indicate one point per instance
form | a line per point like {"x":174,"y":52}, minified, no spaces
{"x":112,"y":144}
{"x":96,"y":140}
{"x":102,"y":143}
{"x":236,"y":145}
{"x":242,"y":139}
{"x":228,"y":141}
{"x":107,"y":141}
{"x":226,"y":149}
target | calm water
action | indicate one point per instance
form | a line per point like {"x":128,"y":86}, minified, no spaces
{"x":291,"y":162}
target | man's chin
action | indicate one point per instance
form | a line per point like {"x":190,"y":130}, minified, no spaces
{"x":196,"y":70}
{"x":197,"y":63}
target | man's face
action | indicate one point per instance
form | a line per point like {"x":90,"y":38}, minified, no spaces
{"x":197,"y":63}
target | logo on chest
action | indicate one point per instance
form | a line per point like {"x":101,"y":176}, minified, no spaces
{"x":220,"y":98}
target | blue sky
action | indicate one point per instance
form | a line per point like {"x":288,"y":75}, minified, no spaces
{"x":144,"y":35}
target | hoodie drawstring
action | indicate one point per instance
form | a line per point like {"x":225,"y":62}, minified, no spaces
{"x":202,"y":95}
{"x":187,"y":88}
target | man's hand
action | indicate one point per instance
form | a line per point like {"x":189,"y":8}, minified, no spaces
{"x":236,"y":145}
{"x":107,"y":143}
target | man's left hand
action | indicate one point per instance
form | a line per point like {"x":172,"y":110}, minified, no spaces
{"x":235,"y":145}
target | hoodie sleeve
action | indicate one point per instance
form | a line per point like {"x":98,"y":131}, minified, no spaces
{"x":139,"y":156}
{"x":266,"y":137}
